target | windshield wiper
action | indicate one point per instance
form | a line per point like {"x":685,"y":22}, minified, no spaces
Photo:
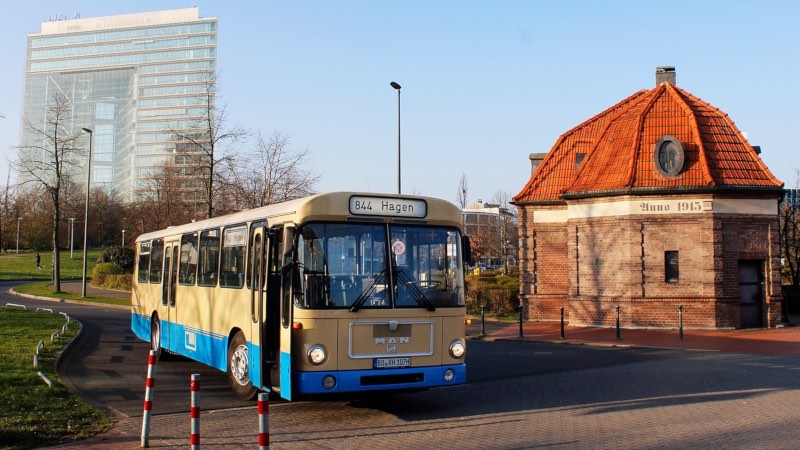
{"x":368,"y":291}
{"x":412,"y":287}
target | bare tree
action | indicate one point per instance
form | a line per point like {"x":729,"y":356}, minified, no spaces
{"x":49,"y":159}
{"x":508,"y":229}
{"x":163,"y":201}
{"x":461,"y":195}
{"x":203,"y":147}
{"x":4,"y":210}
{"x":790,"y":233}
{"x":272,"y":172}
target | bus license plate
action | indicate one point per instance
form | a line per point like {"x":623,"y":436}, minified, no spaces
{"x":392,"y":363}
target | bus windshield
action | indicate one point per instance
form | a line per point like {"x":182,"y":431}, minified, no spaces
{"x":362,"y":266}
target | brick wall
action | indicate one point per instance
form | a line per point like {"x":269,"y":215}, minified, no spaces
{"x":591,"y":265}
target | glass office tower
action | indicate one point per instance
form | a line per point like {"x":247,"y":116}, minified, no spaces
{"x":135,"y":80}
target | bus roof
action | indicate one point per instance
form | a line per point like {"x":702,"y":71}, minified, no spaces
{"x":330,"y":206}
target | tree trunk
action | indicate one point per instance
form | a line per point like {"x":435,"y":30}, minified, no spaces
{"x":210,"y":188}
{"x":56,"y":251}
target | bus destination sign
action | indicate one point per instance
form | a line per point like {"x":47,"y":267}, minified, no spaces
{"x":387,"y":206}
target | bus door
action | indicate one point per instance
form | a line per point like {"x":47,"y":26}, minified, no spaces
{"x":168,"y":326}
{"x":255,"y":283}
{"x":271,"y":321}
{"x":288,"y":276}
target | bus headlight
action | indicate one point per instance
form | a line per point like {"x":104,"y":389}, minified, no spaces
{"x":457,"y":349}
{"x":317,"y":354}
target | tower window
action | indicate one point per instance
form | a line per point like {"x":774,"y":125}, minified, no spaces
{"x":671,"y":266}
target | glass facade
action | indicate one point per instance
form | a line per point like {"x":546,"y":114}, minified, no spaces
{"x":134,"y":80}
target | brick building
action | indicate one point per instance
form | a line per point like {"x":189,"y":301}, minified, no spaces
{"x":655,"y":203}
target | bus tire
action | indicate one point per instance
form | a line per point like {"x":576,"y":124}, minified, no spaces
{"x":238,"y":372}
{"x":155,"y":339}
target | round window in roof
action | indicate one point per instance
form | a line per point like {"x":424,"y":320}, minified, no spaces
{"x":668,"y":156}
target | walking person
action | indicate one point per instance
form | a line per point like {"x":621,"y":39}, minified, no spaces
{"x":38,"y":261}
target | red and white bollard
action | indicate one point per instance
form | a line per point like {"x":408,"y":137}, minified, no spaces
{"x":263,"y":421}
{"x":148,"y":398}
{"x":194,"y":440}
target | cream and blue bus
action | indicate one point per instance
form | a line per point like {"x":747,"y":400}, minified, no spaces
{"x":333,"y":293}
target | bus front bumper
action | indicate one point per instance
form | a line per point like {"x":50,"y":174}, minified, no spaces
{"x":380,"y":380}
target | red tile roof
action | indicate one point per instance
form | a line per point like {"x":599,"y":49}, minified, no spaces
{"x":619,"y":145}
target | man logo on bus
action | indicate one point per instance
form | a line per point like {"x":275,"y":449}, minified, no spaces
{"x":392,"y":340}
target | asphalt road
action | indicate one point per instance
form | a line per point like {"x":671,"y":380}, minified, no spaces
{"x":108,"y":364}
{"x":519,"y":395}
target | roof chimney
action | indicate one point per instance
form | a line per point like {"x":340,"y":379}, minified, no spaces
{"x":666,"y":73}
{"x":536,"y":159}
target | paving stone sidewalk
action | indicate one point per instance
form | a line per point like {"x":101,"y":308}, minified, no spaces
{"x":168,"y":431}
{"x":784,"y":341}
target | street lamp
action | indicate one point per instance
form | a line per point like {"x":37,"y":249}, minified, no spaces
{"x":71,"y":236}
{"x":86,"y":213}
{"x":123,"y":237}
{"x":397,"y":87}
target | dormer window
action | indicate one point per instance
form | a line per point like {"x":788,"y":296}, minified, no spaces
{"x":668,"y":156}
{"x":579,"y":159}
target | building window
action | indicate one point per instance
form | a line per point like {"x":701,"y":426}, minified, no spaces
{"x":668,"y":156}
{"x":579,"y":159}
{"x":671,"y":266}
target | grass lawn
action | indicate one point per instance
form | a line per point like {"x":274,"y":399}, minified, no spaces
{"x":22,"y":266}
{"x":31,"y":414}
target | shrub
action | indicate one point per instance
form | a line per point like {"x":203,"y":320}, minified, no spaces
{"x":499,"y":294}
{"x":123,"y":257}
{"x":102,"y":271}
{"x":121,"y":282}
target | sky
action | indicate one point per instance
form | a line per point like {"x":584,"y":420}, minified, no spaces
{"x":484,"y":83}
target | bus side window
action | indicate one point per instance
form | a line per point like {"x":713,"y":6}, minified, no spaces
{"x":232,"y":266}
{"x":156,"y":260}
{"x":208,"y":258}
{"x":144,"y":262}
{"x":188,"y":260}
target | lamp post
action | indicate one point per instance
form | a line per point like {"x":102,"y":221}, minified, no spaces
{"x":71,"y":236}
{"x":86,"y":212}
{"x":18,"y":219}
{"x":397,"y":87}
{"x":123,"y":237}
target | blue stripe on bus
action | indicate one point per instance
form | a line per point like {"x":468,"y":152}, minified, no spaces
{"x":286,"y":378}
{"x":140,"y":325}
{"x":350,"y":380}
{"x":212,"y":349}
{"x":254,"y":368}
{"x":201,"y":345}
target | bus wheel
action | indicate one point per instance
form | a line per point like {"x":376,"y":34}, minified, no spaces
{"x":155,"y":338}
{"x":238,"y":373}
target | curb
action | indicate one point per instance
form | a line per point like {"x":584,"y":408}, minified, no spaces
{"x":590,"y":344}
{"x":63,"y":300}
